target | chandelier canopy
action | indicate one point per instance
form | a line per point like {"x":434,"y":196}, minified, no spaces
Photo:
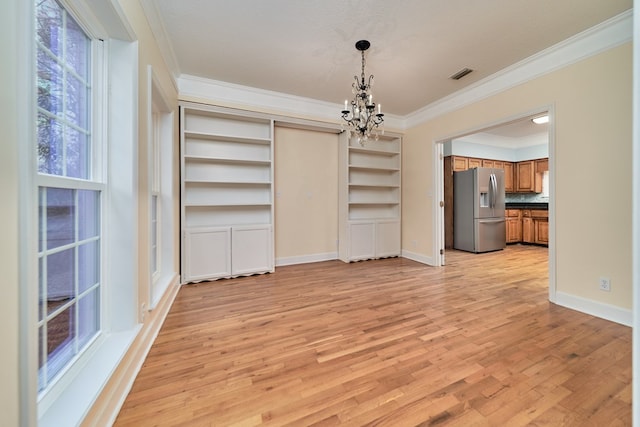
{"x":360,"y":115}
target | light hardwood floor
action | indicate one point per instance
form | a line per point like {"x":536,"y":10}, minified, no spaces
{"x":389,"y":342}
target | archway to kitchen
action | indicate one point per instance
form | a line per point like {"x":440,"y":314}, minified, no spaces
{"x":492,"y":141}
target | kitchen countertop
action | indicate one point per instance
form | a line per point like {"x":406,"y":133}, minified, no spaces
{"x":526,"y":205}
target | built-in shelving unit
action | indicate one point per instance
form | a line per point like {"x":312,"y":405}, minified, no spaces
{"x":369,"y":198}
{"x":226,"y":192}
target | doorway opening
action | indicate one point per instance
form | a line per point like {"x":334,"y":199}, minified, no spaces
{"x":513,"y":144}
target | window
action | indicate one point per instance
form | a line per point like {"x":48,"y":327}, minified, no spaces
{"x":69,"y":194}
{"x":155,"y":196}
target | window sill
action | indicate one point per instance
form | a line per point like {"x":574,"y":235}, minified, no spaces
{"x":71,"y":406}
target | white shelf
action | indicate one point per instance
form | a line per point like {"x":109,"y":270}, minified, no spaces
{"x":352,"y":185}
{"x":226,"y":186}
{"x":227,"y":138}
{"x":373,"y":168}
{"x":225,"y":204}
{"x":197,"y":181}
{"x":369,"y":199}
{"x":221,"y":160}
{"x":374,"y":152}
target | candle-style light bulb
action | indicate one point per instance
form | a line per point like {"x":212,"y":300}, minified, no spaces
{"x":379,"y":108}
{"x":345,"y":105}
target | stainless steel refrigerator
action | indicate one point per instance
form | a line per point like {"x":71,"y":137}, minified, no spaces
{"x":478,"y":210}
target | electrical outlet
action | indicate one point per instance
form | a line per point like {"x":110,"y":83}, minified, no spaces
{"x":605,"y":284}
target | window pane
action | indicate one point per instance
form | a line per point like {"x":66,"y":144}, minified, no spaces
{"x":77,"y":48}
{"x":50,"y":148}
{"x":60,"y":341}
{"x":88,"y":317}
{"x":40,"y":288}
{"x":77,"y":97}
{"x":77,"y":156}
{"x":88,"y":265}
{"x":60,"y":217}
{"x":88,"y":214}
{"x":49,"y":25}
{"x":49,"y":83}
{"x":60,"y":279}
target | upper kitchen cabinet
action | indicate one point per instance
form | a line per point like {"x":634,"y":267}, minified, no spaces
{"x":525,"y":173}
{"x":508,"y":177}
{"x":369,"y":198}
{"x":529,"y":175}
{"x":226,"y":193}
{"x":459,"y":163}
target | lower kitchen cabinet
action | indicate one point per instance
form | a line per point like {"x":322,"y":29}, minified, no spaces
{"x":535,"y":226}
{"x":540,"y":227}
{"x":514,"y":226}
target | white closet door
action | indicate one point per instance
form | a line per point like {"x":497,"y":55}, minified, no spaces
{"x":207,"y":253}
{"x":251,"y":250}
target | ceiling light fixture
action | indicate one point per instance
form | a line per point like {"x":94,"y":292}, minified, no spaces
{"x":540,"y":120}
{"x":361,"y":115}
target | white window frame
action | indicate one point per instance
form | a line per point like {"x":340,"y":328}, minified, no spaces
{"x":75,"y":391}
{"x":95,"y":182}
{"x":162,"y":174}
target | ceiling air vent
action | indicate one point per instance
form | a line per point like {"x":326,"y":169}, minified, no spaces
{"x":460,"y":74}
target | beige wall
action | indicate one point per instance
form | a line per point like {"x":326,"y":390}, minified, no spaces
{"x":148,"y":54}
{"x":592,"y":155}
{"x":306,"y":191}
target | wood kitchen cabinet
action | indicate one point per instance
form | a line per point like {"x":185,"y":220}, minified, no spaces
{"x":459,"y":163}
{"x":474,"y":163}
{"x":508,"y":177}
{"x":542,"y":165}
{"x":535,"y":226}
{"x":513,"y":223}
{"x":525,"y":176}
{"x":540,"y":227}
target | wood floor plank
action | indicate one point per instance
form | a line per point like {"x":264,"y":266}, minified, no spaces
{"x":386,"y":342}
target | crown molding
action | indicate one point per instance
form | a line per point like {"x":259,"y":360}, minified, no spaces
{"x":162,"y":39}
{"x":230,"y":94}
{"x":604,"y":36}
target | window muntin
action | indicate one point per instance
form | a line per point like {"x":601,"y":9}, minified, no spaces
{"x":69,"y":213}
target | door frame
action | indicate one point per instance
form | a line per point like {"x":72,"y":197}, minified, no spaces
{"x":438,"y":183}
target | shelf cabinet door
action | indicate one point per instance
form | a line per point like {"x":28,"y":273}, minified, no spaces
{"x":207,"y":253}
{"x":251,"y":250}
{"x":387,"y":239}
{"x":362,"y":237}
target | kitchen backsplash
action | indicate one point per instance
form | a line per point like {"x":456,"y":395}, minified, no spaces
{"x":525,"y":198}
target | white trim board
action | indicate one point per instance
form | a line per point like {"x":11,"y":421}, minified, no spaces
{"x":423,"y":259}
{"x":306,"y":259}
{"x":595,"y":308}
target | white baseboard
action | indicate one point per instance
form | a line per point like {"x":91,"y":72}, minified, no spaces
{"x":305,"y":259}
{"x":595,"y":308}
{"x":107,"y":407}
{"x":418,"y":257}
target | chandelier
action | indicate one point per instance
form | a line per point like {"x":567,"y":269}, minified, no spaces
{"x":361,"y":116}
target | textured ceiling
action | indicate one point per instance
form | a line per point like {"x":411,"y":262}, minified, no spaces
{"x":306,"y":48}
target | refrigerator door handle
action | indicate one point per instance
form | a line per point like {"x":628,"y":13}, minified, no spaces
{"x":493,"y":190}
